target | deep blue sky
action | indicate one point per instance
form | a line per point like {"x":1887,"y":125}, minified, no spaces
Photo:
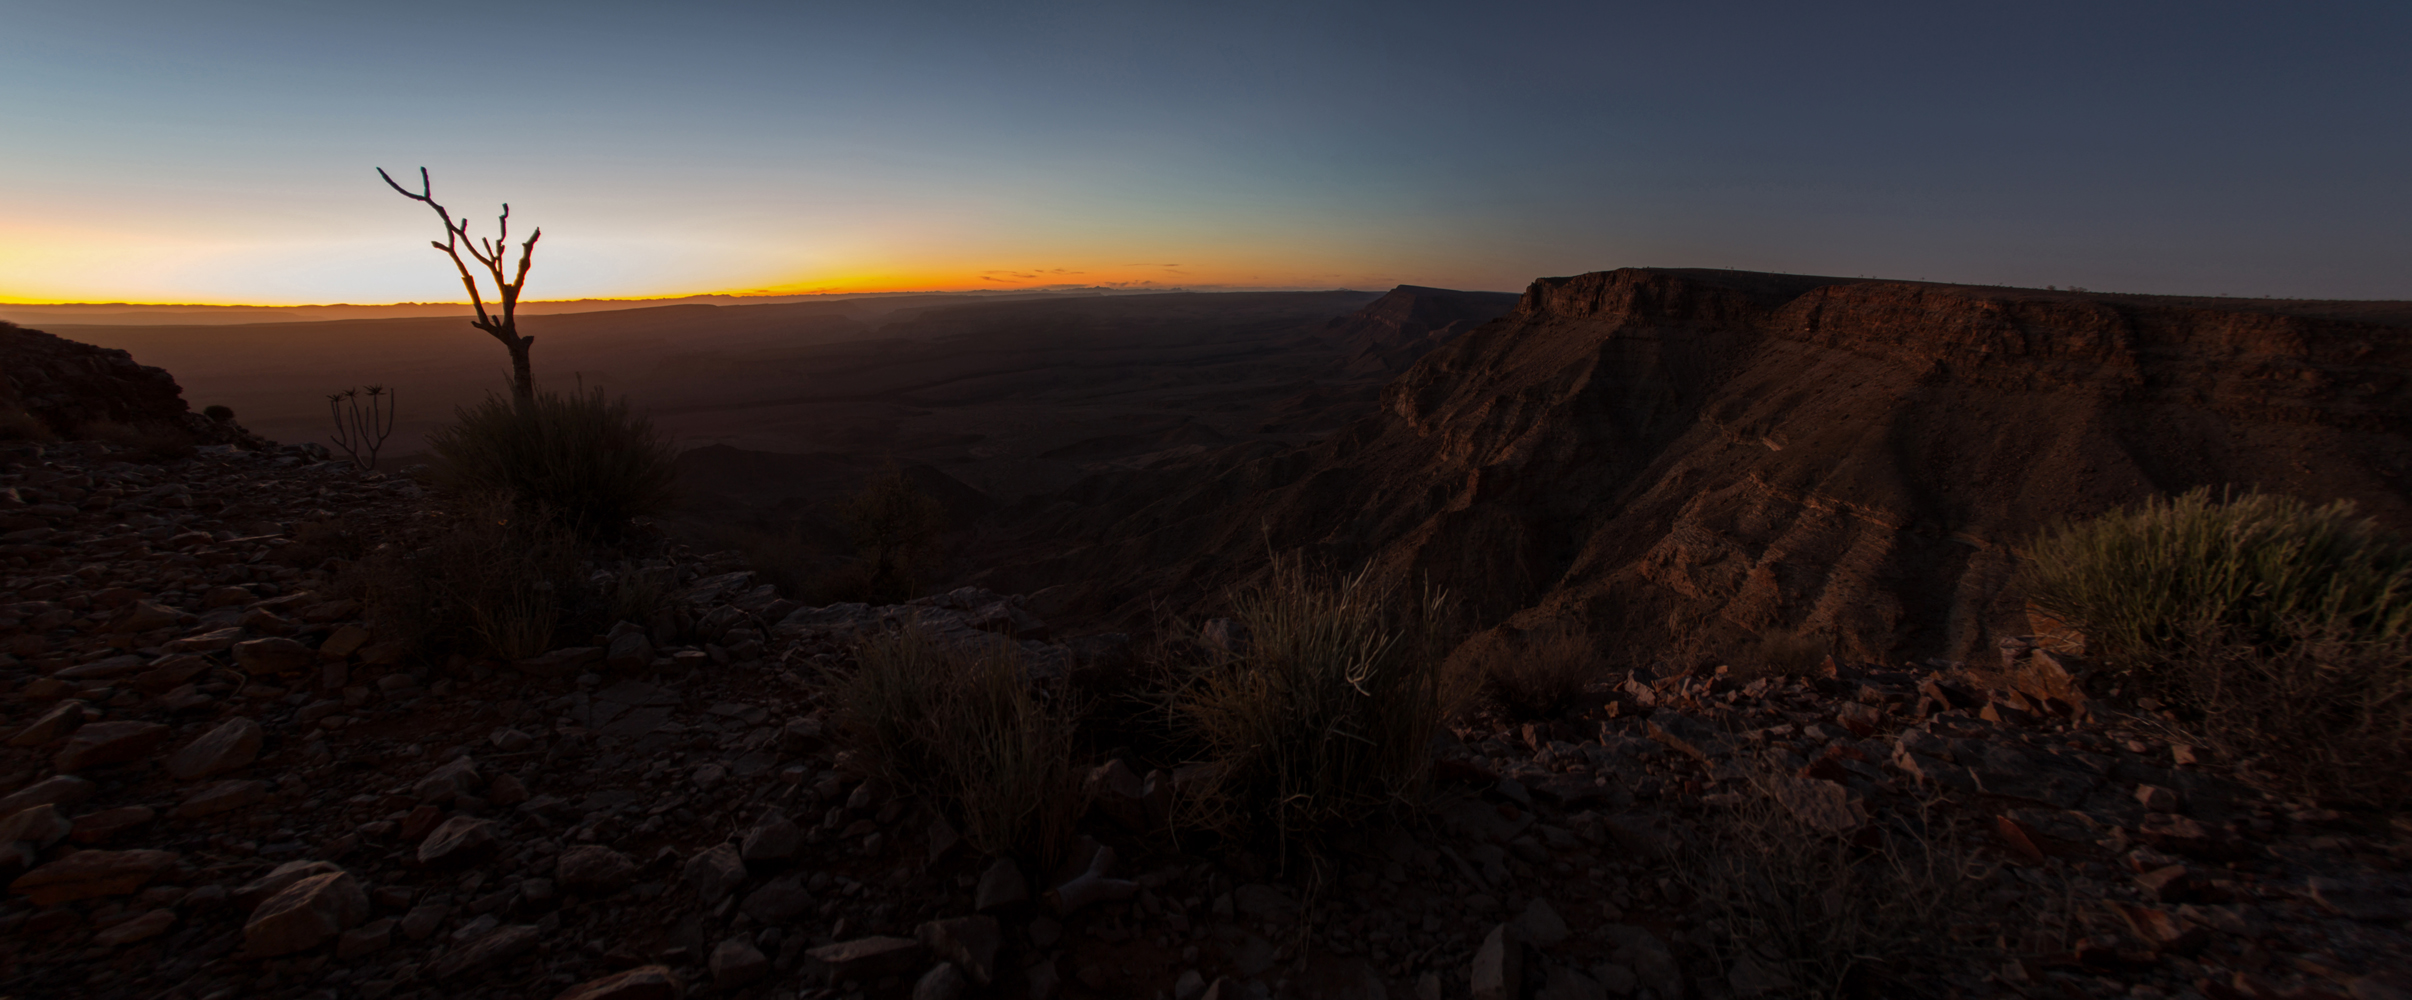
{"x":223,"y":152}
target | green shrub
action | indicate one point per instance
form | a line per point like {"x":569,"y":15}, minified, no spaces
{"x":1325,"y":714}
{"x":968,"y":733}
{"x":2282,"y":630}
{"x":578,"y":459}
{"x":2144,"y":584}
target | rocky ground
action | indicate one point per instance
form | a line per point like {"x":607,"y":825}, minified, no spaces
{"x":218,"y":782}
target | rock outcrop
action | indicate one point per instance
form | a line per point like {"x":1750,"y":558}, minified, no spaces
{"x":70,"y":387}
{"x":1696,"y":459}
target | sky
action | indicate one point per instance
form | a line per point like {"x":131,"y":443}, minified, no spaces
{"x":225,"y":153}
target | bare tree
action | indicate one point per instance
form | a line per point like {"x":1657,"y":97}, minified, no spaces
{"x":488,"y":253}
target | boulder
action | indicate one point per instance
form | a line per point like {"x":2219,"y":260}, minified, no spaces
{"x":103,"y":743}
{"x":235,"y":743}
{"x":714,"y":872}
{"x":86,"y":874}
{"x":58,"y":720}
{"x":248,"y":896}
{"x":308,"y":913}
{"x":460,"y":842}
{"x":737,"y":963}
{"x":275,"y":655}
{"x":63,"y":789}
{"x":593,"y":868}
{"x":645,"y":982}
{"x":39,"y":825}
{"x":970,"y":943}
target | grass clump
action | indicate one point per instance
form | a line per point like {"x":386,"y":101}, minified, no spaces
{"x":1542,"y":677}
{"x":579,"y":459}
{"x":895,"y":530}
{"x":1324,"y":716}
{"x":1874,"y":913}
{"x":485,"y":581}
{"x":970,"y":733}
{"x":2282,"y":630}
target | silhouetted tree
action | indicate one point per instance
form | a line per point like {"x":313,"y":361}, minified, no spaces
{"x":490,"y":254}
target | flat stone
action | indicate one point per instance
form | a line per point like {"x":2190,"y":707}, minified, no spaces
{"x":142,"y":928}
{"x":62,"y":790}
{"x":1817,"y":803}
{"x":234,"y":744}
{"x":275,"y":655}
{"x":344,"y":642}
{"x":305,"y":914}
{"x":562,"y":662}
{"x":103,"y":670}
{"x":493,"y":948}
{"x":593,"y":868}
{"x":57,"y":721}
{"x":970,"y":943}
{"x":366,"y":939}
{"x":250,"y":895}
{"x":460,"y":842}
{"x":867,"y":959}
{"x":454,"y":778}
{"x":1564,"y":983}
{"x":943,"y":982}
{"x":103,"y":743}
{"x":779,"y":900}
{"x":169,"y":671}
{"x":39,"y":825}
{"x":1498,"y":968}
{"x":774,"y":839}
{"x":1002,"y":885}
{"x":86,"y":874}
{"x":736,"y":963}
{"x":220,"y":797}
{"x":510,"y":740}
{"x":714,"y":872}
{"x":1540,"y":924}
{"x":144,"y":616}
{"x":212,"y":641}
{"x":629,"y":692}
{"x":422,"y":921}
{"x":2353,"y":899}
{"x":645,"y":982}
{"x":506,"y":790}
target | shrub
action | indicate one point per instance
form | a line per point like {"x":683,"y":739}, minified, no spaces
{"x":1543,"y":676}
{"x":218,"y":413}
{"x":969,"y":734}
{"x":1323,"y":716}
{"x":154,"y":442}
{"x":1886,"y":912}
{"x":485,"y":581}
{"x":18,"y":425}
{"x":895,"y":531}
{"x":2283,"y":629}
{"x":577,"y":459}
{"x":1782,"y":654}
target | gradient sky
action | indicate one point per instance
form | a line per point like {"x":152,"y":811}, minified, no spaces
{"x":223,"y":152}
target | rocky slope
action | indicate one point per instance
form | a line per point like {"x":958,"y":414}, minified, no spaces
{"x":71,"y":387}
{"x":1691,"y":460}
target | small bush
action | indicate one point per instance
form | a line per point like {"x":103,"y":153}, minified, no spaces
{"x":18,"y":425}
{"x":485,"y":582}
{"x":218,"y":413}
{"x":577,"y":459}
{"x":1323,"y":717}
{"x":895,"y":530}
{"x":153,"y":442}
{"x":970,"y":735}
{"x":1543,"y":676}
{"x":1881,"y":914}
{"x":1782,"y":654}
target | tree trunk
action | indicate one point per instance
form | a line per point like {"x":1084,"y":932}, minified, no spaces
{"x":523,"y":382}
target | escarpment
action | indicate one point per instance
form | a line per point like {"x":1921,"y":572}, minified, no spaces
{"x":1682,"y":462}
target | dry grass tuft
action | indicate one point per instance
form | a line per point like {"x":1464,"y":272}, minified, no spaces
{"x":1543,"y":676}
{"x":1837,"y":919}
{"x":971,"y":735}
{"x":1323,"y":717}
{"x":1782,"y":654}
